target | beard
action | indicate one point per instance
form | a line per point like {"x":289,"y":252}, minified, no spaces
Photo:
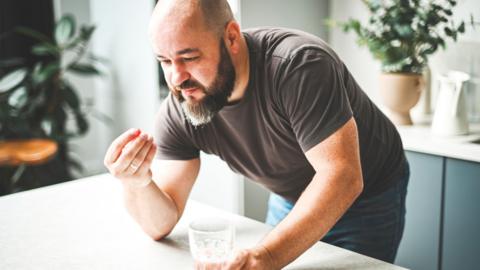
{"x":216,"y":95}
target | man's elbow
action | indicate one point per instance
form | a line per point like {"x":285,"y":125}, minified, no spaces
{"x":159,"y":231}
{"x":158,"y":235}
{"x":357,"y":185}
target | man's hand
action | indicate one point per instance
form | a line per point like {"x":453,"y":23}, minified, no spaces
{"x":129,"y":158}
{"x":247,"y":259}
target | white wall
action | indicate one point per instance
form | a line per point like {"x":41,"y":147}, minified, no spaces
{"x":85,"y":86}
{"x":307,"y":15}
{"x":464,"y":55}
{"x":218,"y":186}
{"x":128,"y":92}
{"x":358,"y":60}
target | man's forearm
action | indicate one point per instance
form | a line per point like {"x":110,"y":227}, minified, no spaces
{"x":317,"y":210}
{"x":153,"y":209}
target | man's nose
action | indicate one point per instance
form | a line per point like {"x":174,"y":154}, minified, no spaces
{"x":179,"y":75}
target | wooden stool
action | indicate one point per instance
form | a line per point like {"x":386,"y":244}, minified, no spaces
{"x":27,"y":152}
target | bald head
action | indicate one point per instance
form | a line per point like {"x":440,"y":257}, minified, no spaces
{"x":217,"y":14}
{"x":214,"y":15}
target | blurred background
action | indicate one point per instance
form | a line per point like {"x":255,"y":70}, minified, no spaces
{"x":121,"y":84}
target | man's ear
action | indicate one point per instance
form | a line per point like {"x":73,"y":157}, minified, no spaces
{"x":232,"y":36}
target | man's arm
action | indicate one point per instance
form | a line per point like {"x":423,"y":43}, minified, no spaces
{"x":337,"y":183}
{"x":156,"y":205}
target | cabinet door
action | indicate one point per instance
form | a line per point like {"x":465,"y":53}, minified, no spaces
{"x":419,"y":247}
{"x":461,"y":236}
{"x":256,"y":200}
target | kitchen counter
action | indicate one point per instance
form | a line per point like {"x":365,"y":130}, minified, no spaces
{"x":418,"y":138}
{"x":83,"y":225}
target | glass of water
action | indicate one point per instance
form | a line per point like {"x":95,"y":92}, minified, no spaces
{"x":211,"y":240}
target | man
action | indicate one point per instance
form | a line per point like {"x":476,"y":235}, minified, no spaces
{"x":279,"y":107}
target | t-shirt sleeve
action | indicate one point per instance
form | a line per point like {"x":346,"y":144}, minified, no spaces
{"x":313,"y":97}
{"x":170,"y":134}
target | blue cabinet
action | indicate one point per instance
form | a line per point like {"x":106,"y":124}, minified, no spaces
{"x":443,"y":214}
{"x":461,"y":224}
{"x":419,"y":247}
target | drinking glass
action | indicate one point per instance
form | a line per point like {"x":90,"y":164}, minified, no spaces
{"x":211,"y":240}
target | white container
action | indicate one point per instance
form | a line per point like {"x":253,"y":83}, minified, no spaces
{"x":450,"y":117}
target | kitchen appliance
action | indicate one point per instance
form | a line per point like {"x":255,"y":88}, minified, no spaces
{"x":450,"y":117}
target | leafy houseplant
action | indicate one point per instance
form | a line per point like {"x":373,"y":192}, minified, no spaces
{"x":38,"y":101}
{"x":402,"y":34}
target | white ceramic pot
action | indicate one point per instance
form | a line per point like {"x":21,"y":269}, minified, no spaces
{"x":450,"y":117}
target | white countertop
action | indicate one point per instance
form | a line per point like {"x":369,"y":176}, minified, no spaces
{"x":419,"y":138}
{"x":83,"y":225}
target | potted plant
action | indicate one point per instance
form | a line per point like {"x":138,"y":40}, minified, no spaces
{"x":402,"y":34}
{"x":37,"y":101}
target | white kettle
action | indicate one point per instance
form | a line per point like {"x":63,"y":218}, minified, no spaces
{"x":450,"y":117}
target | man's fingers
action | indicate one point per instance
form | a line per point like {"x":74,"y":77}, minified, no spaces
{"x":148,"y":160}
{"x":117,"y":145}
{"x":151,"y":153}
{"x":237,"y":261}
{"x":129,"y":153}
{"x":208,"y":266}
{"x":142,"y":154}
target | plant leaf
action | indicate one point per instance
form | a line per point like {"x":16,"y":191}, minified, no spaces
{"x":448,"y":31}
{"x":98,"y":59}
{"x":64,"y":29}
{"x":82,"y":39}
{"x":71,"y":97}
{"x":84,"y":69}
{"x":82,"y":123}
{"x":45,"y":49}
{"x":18,"y":98}
{"x":40,"y":74}
{"x":461,"y":28}
{"x":405,"y":31}
{"x":76,"y":165}
{"x":86,"y":32}
{"x":12,"y":79}
{"x":58,"y":119}
{"x":46,"y":126}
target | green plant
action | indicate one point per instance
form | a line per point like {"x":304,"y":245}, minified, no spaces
{"x":38,"y":101}
{"x":403,"y":33}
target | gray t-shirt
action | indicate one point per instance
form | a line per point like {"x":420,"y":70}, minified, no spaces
{"x":299,"y":93}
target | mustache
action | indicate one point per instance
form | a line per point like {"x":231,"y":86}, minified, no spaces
{"x":188,"y":84}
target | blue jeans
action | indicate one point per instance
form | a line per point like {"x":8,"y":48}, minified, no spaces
{"x":372,"y":226}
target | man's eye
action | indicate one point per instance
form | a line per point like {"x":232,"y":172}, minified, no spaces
{"x":165,"y":61}
{"x":190,"y":59}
